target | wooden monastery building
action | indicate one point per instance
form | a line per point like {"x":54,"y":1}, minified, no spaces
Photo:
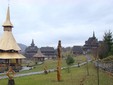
{"x":77,"y":50}
{"x":91,"y":43}
{"x":9,"y":49}
{"x":30,"y":51}
{"x":49,"y":52}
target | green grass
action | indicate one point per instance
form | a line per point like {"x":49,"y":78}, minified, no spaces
{"x":73,"y":78}
{"x":80,"y":58}
{"x":51,"y":64}
{"x":49,"y":79}
{"x":104,"y":77}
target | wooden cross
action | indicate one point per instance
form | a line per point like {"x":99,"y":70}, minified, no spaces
{"x":10,"y":73}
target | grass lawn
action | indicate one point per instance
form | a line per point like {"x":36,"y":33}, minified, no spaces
{"x":52,"y":64}
{"x":73,"y":78}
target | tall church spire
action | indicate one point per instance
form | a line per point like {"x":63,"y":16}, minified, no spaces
{"x":93,"y":34}
{"x":32,"y":44}
{"x":8,"y":23}
{"x":7,"y":40}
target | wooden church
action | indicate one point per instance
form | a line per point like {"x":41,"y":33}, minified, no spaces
{"x":9,"y":49}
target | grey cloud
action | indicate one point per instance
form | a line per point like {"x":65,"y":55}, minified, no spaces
{"x":73,"y":21}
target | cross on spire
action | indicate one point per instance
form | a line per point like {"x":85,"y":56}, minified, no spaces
{"x":8,"y":2}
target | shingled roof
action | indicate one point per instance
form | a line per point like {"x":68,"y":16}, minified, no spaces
{"x":38,"y":54}
{"x":77,"y":49}
{"x":8,"y":42}
{"x":47,"y":49}
{"x":9,"y":49}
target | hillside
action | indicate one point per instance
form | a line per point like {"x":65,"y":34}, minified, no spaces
{"x":23,"y":47}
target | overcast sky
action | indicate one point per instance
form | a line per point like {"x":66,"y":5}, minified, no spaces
{"x":47,"y":21}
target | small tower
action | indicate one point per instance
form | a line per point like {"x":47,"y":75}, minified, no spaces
{"x":9,"y":49}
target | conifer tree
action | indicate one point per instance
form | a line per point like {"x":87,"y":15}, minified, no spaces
{"x":70,"y":60}
{"x":106,"y":48}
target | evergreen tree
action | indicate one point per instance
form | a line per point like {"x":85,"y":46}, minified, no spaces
{"x":102,"y":50}
{"x":69,"y":61}
{"x":105,"y":49}
{"x":108,"y":41}
{"x":111,"y":52}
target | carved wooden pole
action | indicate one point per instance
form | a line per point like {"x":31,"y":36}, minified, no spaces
{"x":59,"y":61}
{"x":10,"y":75}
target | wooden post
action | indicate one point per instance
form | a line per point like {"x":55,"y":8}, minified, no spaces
{"x":11,"y":82}
{"x":59,"y":61}
{"x":10,"y":75}
{"x":45,"y":70}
